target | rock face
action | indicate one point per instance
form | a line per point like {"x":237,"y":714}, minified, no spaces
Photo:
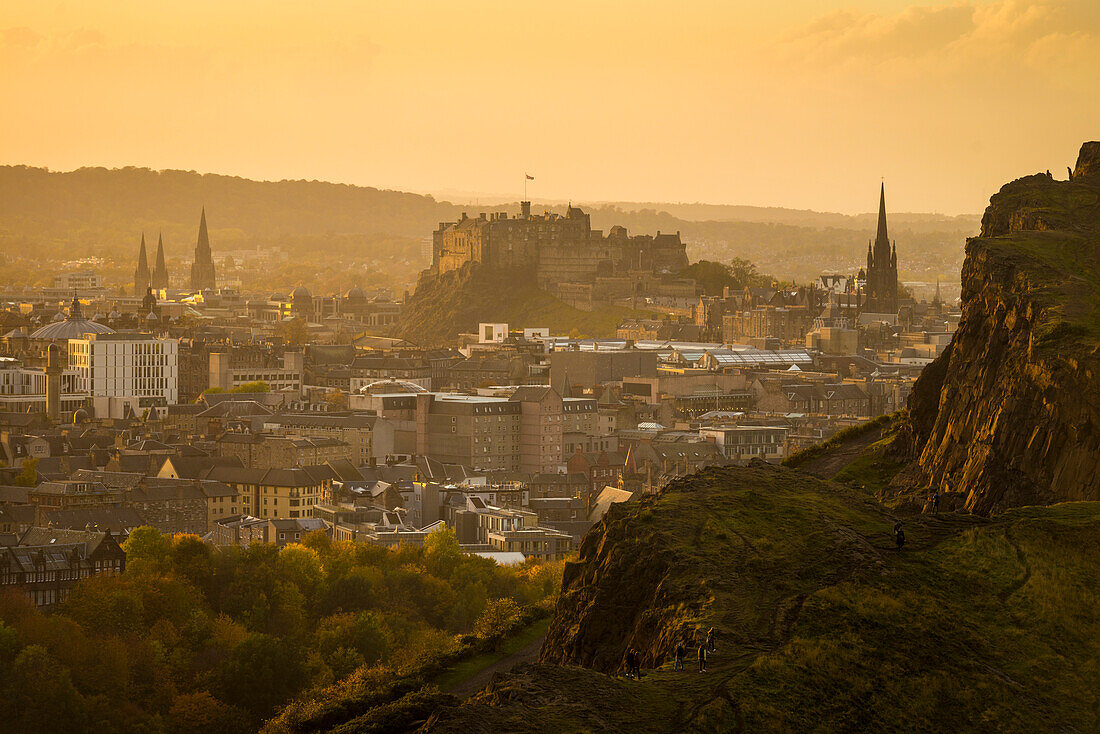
{"x":646,"y":583}
{"x":1009,"y":414}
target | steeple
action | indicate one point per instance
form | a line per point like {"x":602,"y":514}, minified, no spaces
{"x":204,"y":237}
{"x":882,"y":236}
{"x":202,"y":270}
{"x":881,"y":289}
{"x":160,"y":272}
{"x":141,"y":273}
{"x":936,"y":300}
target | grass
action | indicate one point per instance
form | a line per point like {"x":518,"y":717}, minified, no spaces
{"x":840,"y":438}
{"x":873,"y":469}
{"x":468,"y":668}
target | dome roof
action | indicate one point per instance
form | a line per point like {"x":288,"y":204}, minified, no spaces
{"x":355,"y":293}
{"x":300,"y":292}
{"x":74,"y":326}
{"x":81,"y":416}
{"x":71,"y":329}
{"x":383,"y":387}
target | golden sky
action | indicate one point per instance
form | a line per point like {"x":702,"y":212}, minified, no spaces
{"x":794,"y":103}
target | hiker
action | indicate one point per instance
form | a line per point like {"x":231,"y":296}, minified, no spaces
{"x":679,"y":664}
{"x":702,"y":657}
{"x":630,"y":663}
{"x":935,"y":501}
{"x":710,"y":640}
{"x":637,"y":665}
{"x":899,"y":537}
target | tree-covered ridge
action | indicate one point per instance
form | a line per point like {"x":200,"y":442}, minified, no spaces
{"x":196,"y":638}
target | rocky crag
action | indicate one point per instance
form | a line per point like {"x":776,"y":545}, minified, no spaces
{"x":1009,"y":415}
{"x":444,"y":306}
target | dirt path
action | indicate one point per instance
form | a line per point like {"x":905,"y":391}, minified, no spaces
{"x":529,"y":653}
{"x":827,"y":466}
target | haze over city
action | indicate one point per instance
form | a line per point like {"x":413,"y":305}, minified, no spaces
{"x":503,"y":367}
{"x":795,"y":104}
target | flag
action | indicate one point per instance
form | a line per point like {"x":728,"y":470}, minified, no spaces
{"x":529,"y":177}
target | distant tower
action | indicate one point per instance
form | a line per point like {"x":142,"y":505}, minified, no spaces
{"x":882,"y":267}
{"x":54,"y":367}
{"x":141,"y":273}
{"x":160,"y":272}
{"x":202,"y":270}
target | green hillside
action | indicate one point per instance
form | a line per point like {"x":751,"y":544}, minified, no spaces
{"x":823,"y":625}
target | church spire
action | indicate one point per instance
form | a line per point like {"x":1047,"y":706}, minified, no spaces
{"x":160,"y":272}
{"x":204,"y":237}
{"x":882,"y":235}
{"x":202,"y":270}
{"x":141,"y":273}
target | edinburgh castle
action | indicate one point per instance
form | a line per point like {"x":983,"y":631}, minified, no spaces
{"x":568,"y":257}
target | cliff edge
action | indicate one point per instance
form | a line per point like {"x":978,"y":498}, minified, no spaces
{"x":1009,"y":414}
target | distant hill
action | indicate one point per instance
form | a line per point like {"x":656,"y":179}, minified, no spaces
{"x":93,"y":205}
{"x":100,"y":211}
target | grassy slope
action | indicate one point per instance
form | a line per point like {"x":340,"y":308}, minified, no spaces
{"x":977,"y":625}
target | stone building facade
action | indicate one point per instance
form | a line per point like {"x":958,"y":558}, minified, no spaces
{"x":560,"y":249}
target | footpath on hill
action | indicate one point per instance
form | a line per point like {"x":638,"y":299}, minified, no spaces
{"x":475,"y":674}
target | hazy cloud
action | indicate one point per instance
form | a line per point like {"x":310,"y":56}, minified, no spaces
{"x":1015,"y":34}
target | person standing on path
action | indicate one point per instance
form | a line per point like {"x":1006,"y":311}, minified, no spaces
{"x":679,"y":664}
{"x":630,"y":663}
{"x":702,"y":657}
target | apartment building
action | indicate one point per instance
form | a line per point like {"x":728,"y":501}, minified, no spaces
{"x":126,"y":373}
{"x":276,"y":493}
{"x":744,"y":443}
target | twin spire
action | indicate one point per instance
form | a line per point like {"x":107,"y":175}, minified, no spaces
{"x":158,"y":279}
{"x":143,"y":278}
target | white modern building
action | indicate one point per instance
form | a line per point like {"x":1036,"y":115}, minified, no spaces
{"x":23,"y":389}
{"x":124,"y":373}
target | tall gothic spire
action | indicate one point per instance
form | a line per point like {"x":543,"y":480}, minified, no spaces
{"x":141,"y":273}
{"x":202,"y":270}
{"x":203,"y":245}
{"x":160,"y":272}
{"x":882,"y":266}
{"x":882,"y":235}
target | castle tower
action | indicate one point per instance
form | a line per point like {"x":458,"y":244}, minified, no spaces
{"x":160,"y":272}
{"x":882,"y":267}
{"x":202,"y":270}
{"x":141,"y":273}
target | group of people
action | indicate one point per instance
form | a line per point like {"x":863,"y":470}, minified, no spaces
{"x":707,"y":645}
